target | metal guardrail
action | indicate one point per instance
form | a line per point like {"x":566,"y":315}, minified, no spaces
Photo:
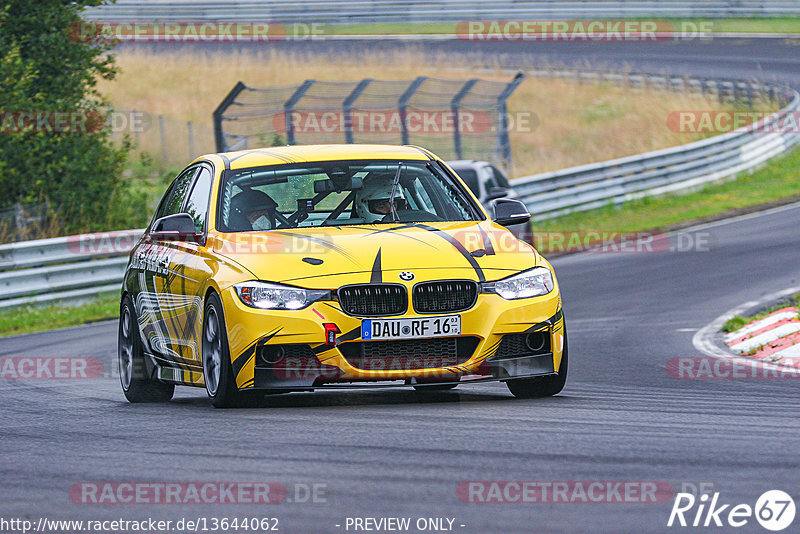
{"x":73,"y":267}
{"x":413,"y":11}
{"x":63,"y":268}
{"x":673,"y":169}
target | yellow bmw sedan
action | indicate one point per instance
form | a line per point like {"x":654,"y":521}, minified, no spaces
{"x":334,"y":266}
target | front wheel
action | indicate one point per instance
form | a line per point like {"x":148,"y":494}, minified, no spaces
{"x":136,"y":385}
{"x":542,"y":386}
{"x":217,"y":369}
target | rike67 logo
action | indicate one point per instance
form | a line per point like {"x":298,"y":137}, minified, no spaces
{"x":774,"y":510}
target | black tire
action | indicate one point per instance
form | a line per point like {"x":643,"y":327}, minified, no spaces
{"x":542,"y":386}
{"x":217,"y":370}
{"x":136,"y":385}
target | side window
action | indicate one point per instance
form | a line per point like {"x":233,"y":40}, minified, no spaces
{"x":179,"y":192}
{"x":197,"y":203}
{"x":470,"y":178}
{"x":173,"y":199}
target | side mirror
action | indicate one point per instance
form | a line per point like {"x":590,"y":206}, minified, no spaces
{"x":496,"y":192}
{"x":508,"y":212}
{"x":177,"y":227}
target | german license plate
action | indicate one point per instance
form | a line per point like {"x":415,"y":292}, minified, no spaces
{"x":411,"y":328}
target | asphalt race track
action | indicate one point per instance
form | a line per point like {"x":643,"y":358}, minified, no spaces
{"x":399,"y":453}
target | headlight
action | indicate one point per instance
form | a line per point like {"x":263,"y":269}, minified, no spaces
{"x":277,"y":297}
{"x":531,"y":283}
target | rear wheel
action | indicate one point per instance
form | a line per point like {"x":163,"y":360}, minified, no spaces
{"x":136,"y":385}
{"x":217,"y":369}
{"x":541,"y":386}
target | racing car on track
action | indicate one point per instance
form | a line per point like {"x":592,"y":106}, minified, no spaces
{"x":338,"y":266}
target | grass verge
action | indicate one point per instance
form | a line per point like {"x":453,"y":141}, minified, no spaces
{"x":32,"y":318}
{"x":735,"y":323}
{"x":555,"y":123}
{"x":777,"y":183}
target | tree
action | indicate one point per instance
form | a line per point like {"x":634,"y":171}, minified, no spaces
{"x":54,"y":144}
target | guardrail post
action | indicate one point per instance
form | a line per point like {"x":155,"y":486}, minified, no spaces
{"x":347,"y":108}
{"x":503,"y":151}
{"x":454,"y":104}
{"x":219,"y":138}
{"x":288,"y":108}
{"x":402,"y":106}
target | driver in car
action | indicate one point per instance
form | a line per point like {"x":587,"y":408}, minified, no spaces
{"x":253,"y":210}
{"x":373,"y":203}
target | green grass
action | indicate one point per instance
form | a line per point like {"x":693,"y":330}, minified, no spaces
{"x":754,"y":25}
{"x":778,"y":181}
{"x":58,"y":315}
{"x":735,"y":323}
{"x":725,"y":25}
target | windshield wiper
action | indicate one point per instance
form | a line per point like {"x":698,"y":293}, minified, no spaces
{"x":395,"y":183}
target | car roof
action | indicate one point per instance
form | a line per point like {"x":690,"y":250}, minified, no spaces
{"x":311,"y":153}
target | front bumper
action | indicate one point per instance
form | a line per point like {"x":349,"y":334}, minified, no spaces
{"x":306,"y":362}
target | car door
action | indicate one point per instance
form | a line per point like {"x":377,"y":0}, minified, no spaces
{"x":156,"y":263}
{"x":192,"y":268}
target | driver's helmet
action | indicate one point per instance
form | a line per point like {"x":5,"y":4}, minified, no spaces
{"x":245,"y":203}
{"x":375,"y":193}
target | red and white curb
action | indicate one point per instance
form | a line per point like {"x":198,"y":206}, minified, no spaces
{"x":774,"y":338}
{"x":710,"y":341}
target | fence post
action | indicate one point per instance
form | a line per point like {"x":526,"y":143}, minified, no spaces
{"x":190,"y":132}
{"x":163,"y":137}
{"x":19,"y":221}
{"x":288,"y":107}
{"x":503,"y":151}
{"x":219,"y":136}
{"x":347,"y":107}
{"x":136,"y":134}
{"x":402,"y":106}
{"x":454,"y":104}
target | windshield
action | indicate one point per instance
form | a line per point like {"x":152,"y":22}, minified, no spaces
{"x":337,"y":193}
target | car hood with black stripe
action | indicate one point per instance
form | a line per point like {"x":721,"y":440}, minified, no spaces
{"x":330,"y":257}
